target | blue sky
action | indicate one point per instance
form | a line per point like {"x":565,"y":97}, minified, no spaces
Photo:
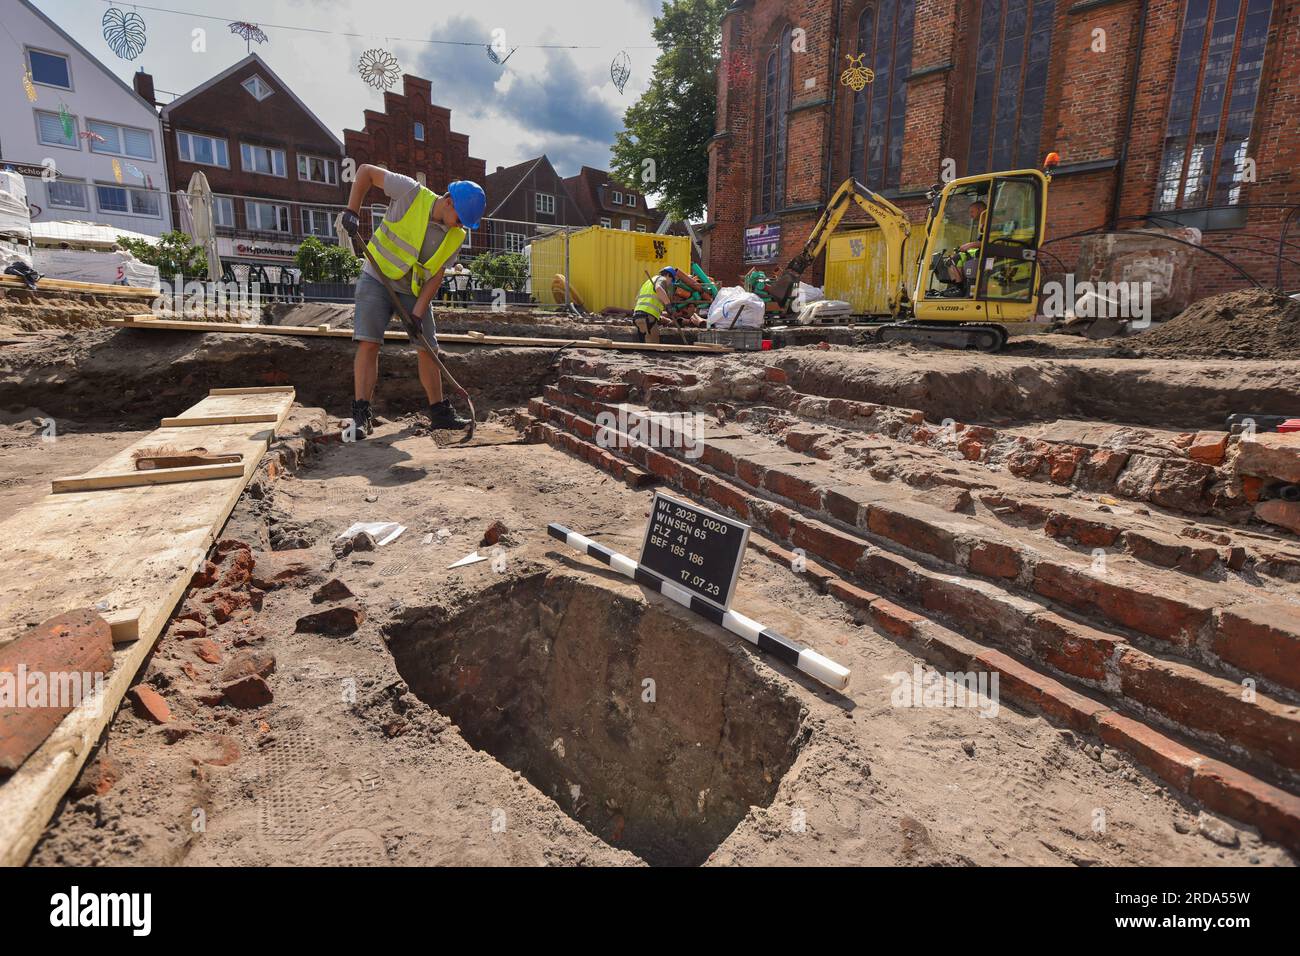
{"x":557,"y":101}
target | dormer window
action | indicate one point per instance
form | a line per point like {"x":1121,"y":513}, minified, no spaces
{"x":257,"y":88}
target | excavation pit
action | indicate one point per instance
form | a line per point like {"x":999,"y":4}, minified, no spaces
{"x":650,"y":731}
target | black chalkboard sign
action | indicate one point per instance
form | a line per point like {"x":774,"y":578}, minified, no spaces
{"x":697,"y":550}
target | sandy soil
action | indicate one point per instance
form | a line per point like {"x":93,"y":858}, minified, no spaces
{"x":312,"y":777}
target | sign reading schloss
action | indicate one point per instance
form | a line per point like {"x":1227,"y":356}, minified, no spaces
{"x":694,"y":549}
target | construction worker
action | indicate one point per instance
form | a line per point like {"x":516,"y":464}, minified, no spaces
{"x":656,"y":302}
{"x":417,"y":240}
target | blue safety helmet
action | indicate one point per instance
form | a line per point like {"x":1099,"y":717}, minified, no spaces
{"x":469,"y":200}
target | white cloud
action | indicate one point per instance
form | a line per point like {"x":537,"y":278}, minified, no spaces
{"x":556,"y":101}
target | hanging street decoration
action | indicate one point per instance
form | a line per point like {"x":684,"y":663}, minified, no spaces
{"x":495,"y":55}
{"x":135,"y":171}
{"x":117,"y":171}
{"x":250,"y":33}
{"x":90,"y":136}
{"x":124,"y":32}
{"x":379,"y":69}
{"x":65,"y":117}
{"x":620,"y":70}
{"x":28,"y":86}
{"x":857,"y":76}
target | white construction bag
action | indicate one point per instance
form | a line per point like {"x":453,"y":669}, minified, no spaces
{"x":734,"y":308}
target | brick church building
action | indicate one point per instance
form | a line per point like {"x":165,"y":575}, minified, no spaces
{"x":1165,"y":113}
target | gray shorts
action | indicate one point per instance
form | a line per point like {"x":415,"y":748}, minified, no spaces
{"x":374,"y":310}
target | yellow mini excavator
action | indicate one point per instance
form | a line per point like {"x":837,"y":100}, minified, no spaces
{"x":977,"y":268}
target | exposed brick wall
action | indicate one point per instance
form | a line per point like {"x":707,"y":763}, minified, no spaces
{"x":1085,"y":118}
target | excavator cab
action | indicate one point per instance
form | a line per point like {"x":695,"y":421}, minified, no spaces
{"x":980,"y":262}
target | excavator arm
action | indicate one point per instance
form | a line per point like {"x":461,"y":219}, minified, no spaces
{"x":893,"y":223}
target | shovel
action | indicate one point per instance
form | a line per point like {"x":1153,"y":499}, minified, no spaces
{"x":417,"y":335}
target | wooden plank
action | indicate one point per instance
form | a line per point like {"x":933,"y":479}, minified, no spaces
{"x":251,"y":391}
{"x":129,"y":553}
{"x":183,"y":421}
{"x":152,"y":476}
{"x":86,"y":288}
{"x":446,"y":338}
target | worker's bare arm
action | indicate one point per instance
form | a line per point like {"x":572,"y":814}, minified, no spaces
{"x":368,"y":176}
{"x":428,"y":292}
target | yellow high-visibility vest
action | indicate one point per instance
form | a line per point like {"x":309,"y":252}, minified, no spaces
{"x":396,"y":245}
{"x":648,"y":301}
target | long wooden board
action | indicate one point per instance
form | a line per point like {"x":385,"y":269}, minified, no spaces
{"x":130,"y":552}
{"x":86,"y":288}
{"x":445,"y":338}
{"x":152,"y":476}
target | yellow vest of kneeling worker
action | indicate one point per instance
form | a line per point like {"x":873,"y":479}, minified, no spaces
{"x":396,"y":246}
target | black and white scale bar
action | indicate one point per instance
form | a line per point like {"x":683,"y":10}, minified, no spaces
{"x":778,"y":645}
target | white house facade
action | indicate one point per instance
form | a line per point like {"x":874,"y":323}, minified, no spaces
{"x":89,"y":146}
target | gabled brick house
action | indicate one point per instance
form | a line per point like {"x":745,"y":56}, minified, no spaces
{"x":274,"y":167}
{"x":525,"y":196}
{"x":1165,"y":113}
{"x":603,"y":202}
{"x":413,"y":136}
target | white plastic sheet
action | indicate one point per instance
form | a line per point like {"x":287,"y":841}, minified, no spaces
{"x":734,"y":308}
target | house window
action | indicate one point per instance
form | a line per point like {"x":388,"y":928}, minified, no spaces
{"x":419,"y":132}
{"x":66,"y":194}
{"x":266,"y":217}
{"x":640,"y":228}
{"x":257,"y":88}
{"x":776,"y":101}
{"x":317,"y":222}
{"x":545,"y":204}
{"x":627,"y":224}
{"x":202,"y":150}
{"x":885,"y":37}
{"x":262,"y":159}
{"x":127,"y":202}
{"x":49,"y":69}
{"x":515,"y":241}
{"x":605,"y":221}
{"x":223,"y":212}
{"x":121,"y":140}
{"x":317,"y":169}
{"x":1212,"y":106}
{"x":616,"y":198}
{"x":50,"y":131}
{"x":1012,"y":56}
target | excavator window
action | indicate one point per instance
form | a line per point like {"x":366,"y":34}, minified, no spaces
{"x":960,"y":227}
{"x":1010,"y":252}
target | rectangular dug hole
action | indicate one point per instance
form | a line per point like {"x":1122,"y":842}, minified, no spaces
{"x":642,"y":725}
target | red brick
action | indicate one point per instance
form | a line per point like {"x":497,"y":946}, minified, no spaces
{"x":1154,"y":614}
{"x":664,"y":467}
{"x":851,"y":594}
{"x":726,"y":495}
{"x":1262,"y":639}
{"x":148,"y":704}
{"x":247,"y":692}
{"x":207,"y":650}
{"x":789,"y":484}
{"x":1226,"y":790}
{"x":1167,"y":758}
{"x":775,"y":375}
{"x":1072,"y":648}
{"x":1088,"y":532}
{"x":1041,"y":692}
{"x":992,"y":560}
{"x":828,"y":544}
{"x":79,"y":642}
{"x":896,"y":620}
{"x":912,"y":531}
{"x":1209,"y":447}
{"x":717,"y":459}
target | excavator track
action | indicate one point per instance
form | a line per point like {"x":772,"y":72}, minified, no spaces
{"x":976,"y":336}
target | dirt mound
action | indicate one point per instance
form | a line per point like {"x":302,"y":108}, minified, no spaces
{"x":1247,"y":323}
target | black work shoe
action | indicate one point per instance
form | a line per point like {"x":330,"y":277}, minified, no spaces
{"x":442,"y":415}
{"x":362,"y":418}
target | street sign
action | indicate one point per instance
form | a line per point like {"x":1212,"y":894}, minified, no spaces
{"x":695,"y":549}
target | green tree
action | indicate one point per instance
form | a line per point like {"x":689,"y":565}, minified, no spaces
{"x":174,"y":255}
{"x":508,"y":270}
{"x":326,"y":263}
{"x":673,"y":120}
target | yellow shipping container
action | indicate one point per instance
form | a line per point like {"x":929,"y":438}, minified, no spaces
{"x":855,"y":270}
{"x":607,"y":266}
